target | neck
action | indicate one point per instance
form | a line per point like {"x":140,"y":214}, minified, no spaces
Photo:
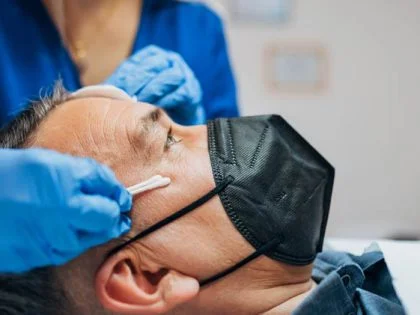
{"x":279,"y":300}
{"x":89,"y":27}
{"x":290,"y":298}
{"x":263,"y":287}
{"x":74,"y":11}
{"x":259,"y":297}
{"x":83,"y":8}
{"x":278,"y":288}
{"x":88,"y":5}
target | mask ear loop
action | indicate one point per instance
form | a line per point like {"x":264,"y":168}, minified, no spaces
{"x":220,"y":187}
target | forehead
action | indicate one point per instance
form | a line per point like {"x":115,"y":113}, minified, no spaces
{"x":99,"y":108}
{"x":95,"y":127}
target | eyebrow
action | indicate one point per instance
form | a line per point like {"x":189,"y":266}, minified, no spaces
{"x":148,"y":122}
{"x":150,"y":119}
{"x":153,"y":116}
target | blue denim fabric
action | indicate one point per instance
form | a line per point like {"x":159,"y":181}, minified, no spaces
{"x":349,"y":284}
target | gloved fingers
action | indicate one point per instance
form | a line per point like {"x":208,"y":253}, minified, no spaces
{"x":153,"y":73}
{"x":163,"y":84}
{"x":184,"y":104}
{"x":102,"y":181}
{"x":140,"y":76}
{"x":94,"y":214}
{"x":182,"y":98}
{"x":184,"y":107}
{"x":59,"y":235}
{"x":184,"y":68}
{"x":133,"y":74}
{"x":140,"y":63}
{"x":187,"y":94}
{"x":146,"y":52}
{"x":149,"y":66}
{"x":88,"y":240}
{"x":152,"y":63}
{"x":83,"y":241}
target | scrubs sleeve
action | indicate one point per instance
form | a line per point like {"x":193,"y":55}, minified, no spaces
{"x":219,"y":94}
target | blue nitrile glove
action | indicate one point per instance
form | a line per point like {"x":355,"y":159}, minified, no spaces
{"x":164,"y":79}
{"x":53,"y":207}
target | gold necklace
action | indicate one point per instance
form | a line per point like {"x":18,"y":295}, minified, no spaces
{"x":79,"y":48}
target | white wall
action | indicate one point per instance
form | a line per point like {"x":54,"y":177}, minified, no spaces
{"x":367,"y":121}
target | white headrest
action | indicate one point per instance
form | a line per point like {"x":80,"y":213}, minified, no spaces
{"x":108,"y":91}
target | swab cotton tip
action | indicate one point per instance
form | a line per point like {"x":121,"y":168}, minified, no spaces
{"x":154,"y":182}
{"x":147,"y":182}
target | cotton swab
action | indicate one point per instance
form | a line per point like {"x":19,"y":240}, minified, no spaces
{"x":152,"y":183}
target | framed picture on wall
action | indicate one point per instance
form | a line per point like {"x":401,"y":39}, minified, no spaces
{"x":263,"y":11}
{"x":296,"y":67}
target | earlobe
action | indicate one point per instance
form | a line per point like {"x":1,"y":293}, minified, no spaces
{"x":126,"y":287}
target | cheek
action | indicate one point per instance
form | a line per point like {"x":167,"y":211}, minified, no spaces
{"x":133,"y":166}
{"x":193,"y":172}
{"x":191,"y":178}
{"x":127,"y":167}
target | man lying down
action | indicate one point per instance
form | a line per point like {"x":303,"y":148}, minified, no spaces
{"x":236,"y":232}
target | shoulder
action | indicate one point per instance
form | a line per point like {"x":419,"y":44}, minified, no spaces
{"x":18,"y":24}
{"x":19,"y":17}
{"x":19,"y":9}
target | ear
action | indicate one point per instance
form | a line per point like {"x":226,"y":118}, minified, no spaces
{"x":125,"y":286}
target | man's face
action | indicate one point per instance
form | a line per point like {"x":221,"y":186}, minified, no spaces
{"x":138,"y":141}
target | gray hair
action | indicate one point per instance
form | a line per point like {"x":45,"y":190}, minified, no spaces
{"x":38,"y":291}
{"x":18,"y":132}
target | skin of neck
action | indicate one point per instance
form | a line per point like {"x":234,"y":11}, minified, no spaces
{"x":78,"y":10}
{"x":75,"y":11}
{"x":88,"y":6}
{"x":275,"y":291}
{"x":290,"y":296}
{"x":266,"y":287}
{"x":91,"y":27}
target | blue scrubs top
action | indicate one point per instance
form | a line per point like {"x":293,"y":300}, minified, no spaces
{"x":32,"y":55}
